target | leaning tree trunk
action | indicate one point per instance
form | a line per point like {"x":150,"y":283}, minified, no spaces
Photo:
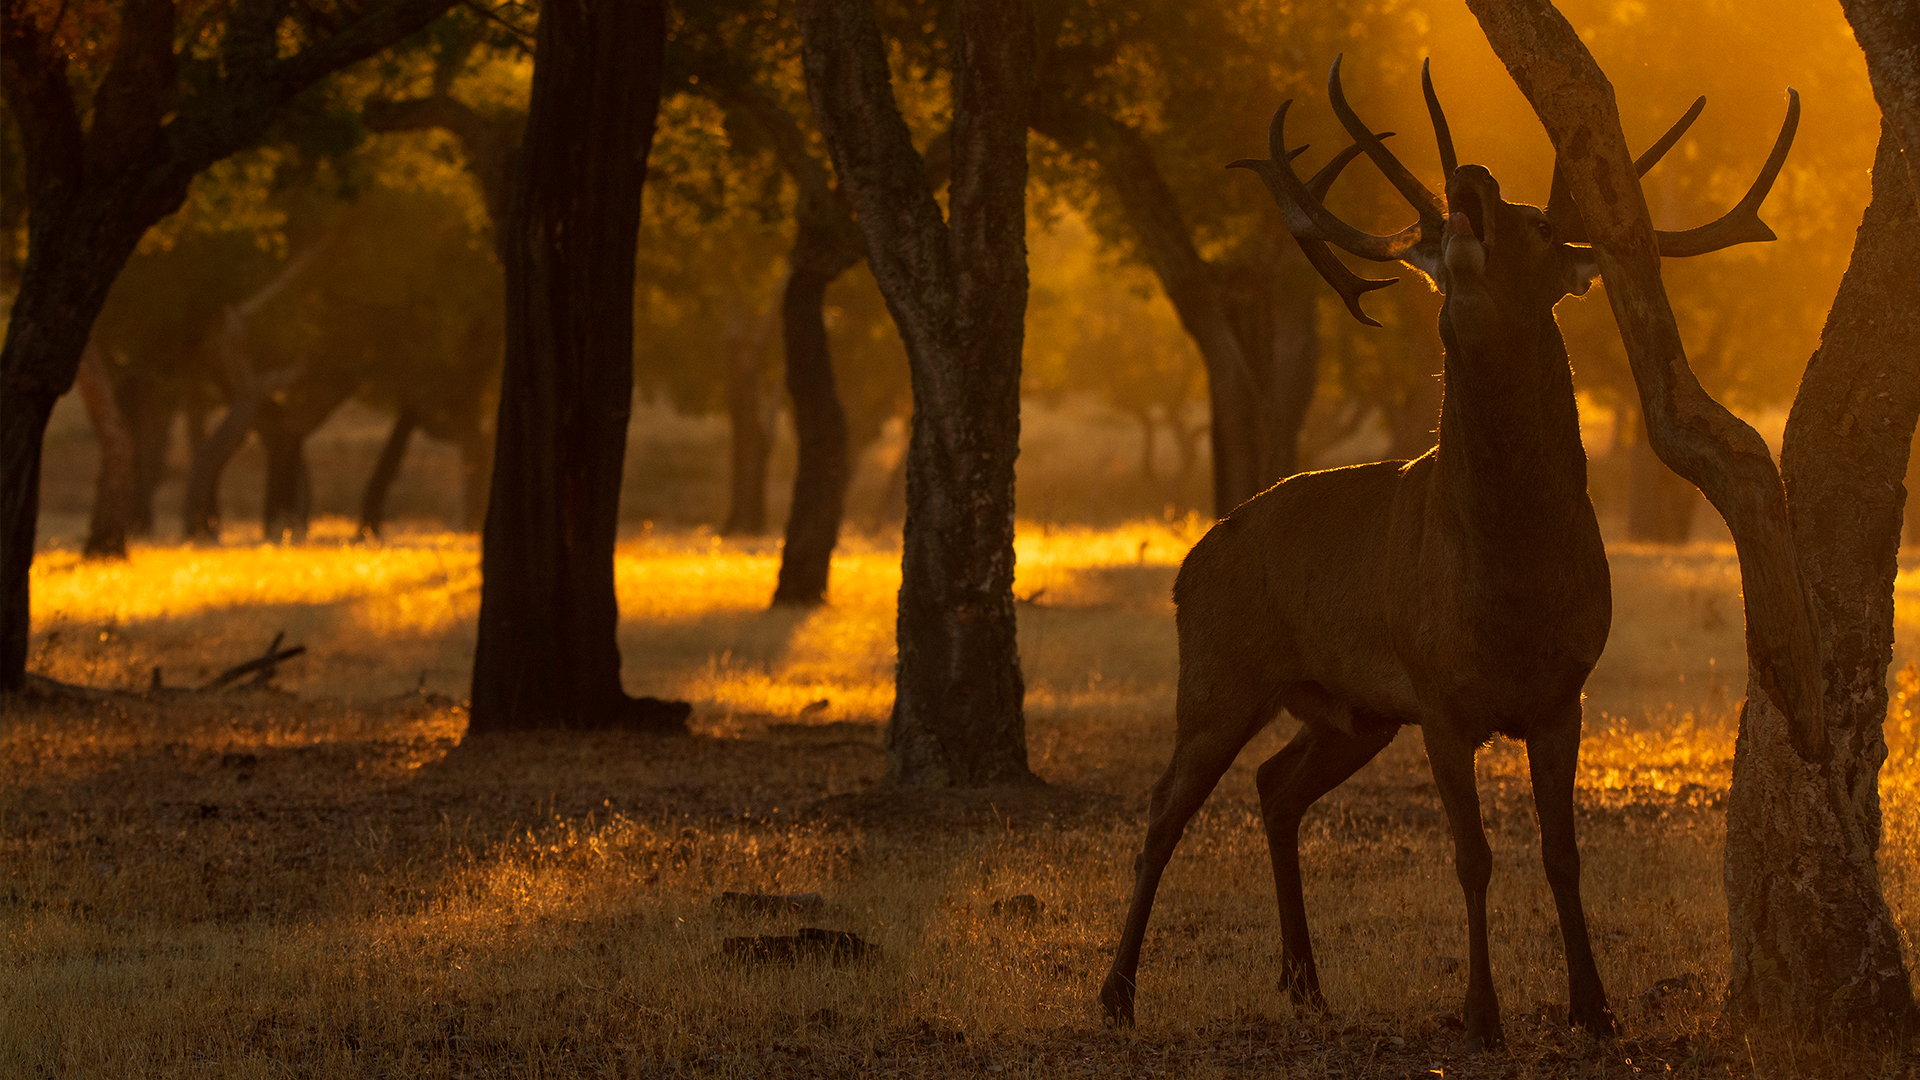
{"x":957,"y":288}
{"x":1814,"y":945}
{"x":373,"y":501}
{"x":1814,"y":950}
{"x":114,"y":487}
{"x":547,"y":655}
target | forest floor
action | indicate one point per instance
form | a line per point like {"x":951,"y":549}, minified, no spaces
{"x":322,"y":877}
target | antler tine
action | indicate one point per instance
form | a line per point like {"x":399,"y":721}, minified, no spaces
{"x":1566,"y":221}
{"x":1319,"y":253}
{"x":1441,"y":133}
{"x":1305,"y":217}
{"x":1432,"y":211}
{"x":1742,"y":224}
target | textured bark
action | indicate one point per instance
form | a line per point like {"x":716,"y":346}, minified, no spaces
{"x":114,"y":486}
{"x":1693,"y":434}
{"x":95,"y":188}
{"x":1814,"y":945}
{"x":1252,"y":323}
{"x":1889,"y":34}
{"x":373,"y":502}
{"x":547,"y":655}
{"x":957,"y":289}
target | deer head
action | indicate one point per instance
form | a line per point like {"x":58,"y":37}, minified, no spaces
{"x":1474,"y":242}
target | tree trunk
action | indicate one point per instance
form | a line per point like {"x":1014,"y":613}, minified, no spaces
{"x":547,"y":655}
{"x":113,"y":488}
{"x":1258,"y":340}
{"x":820,"y":429}
{"x":957,"y":289}
{"x":149,"y":404}
{"x":373,"y":503}
{"x":751,"y":423}
{"x":1660,"y":504}
{"x":1814,"y":946}
{"x":286,"y":508}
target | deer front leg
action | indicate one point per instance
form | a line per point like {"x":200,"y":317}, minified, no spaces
{"x":1199,"y":760}
{"x":1314,"y":762}
{"x":1452,"y":761}
{"x":1552,"y":756}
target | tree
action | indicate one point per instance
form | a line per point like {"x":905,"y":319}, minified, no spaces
{"x":547,"y":655}
{"x":1814,"y":946}
{"x":98,"y":178}
{"x":957,"y":289}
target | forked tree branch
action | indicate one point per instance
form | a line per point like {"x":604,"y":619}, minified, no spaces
{"x":1691,"y":432}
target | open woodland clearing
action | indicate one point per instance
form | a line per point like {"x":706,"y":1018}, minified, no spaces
{"x":320,"y":878}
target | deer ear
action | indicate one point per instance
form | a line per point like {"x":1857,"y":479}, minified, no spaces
{"x":1583,"y":267}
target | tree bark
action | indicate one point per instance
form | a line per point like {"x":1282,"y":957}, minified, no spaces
{"x":373,"y":502}
{"x":958,"y":292}
{"x":149,"y":404}
{"x":1814,"y":945}
{"x":95,"y":188}
{"x":114,"y":486}
{"x":547,"y":655}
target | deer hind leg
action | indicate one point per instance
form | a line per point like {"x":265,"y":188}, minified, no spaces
{"x":1201,"y":755}
{"x":1317,"y":760}
{"x":1452,"y":761}
{"x":1553,"y":752}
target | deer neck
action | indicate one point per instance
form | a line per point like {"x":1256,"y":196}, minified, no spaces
{"x":1509,"y":455}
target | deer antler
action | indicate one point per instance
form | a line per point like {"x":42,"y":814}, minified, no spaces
{"x":1433,"y":211}
{"x":1740,"y":225}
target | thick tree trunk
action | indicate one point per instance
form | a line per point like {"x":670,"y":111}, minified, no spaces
{"x":958,"y":290}
{"x":820,"y":429}
{"x":547,"y":654}
{"x":114,"y":486}
{"x":751,"y":422}
{"x":1814,"y":945}
{"x":373,"y":502}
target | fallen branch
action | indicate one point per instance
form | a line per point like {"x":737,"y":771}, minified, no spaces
{"x":261,"y":667}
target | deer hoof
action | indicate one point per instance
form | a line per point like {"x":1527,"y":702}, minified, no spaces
{"x":1596,"y":1019}
{"x":1116,"y":1000}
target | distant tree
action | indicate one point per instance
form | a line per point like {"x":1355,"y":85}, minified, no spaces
{"x":97,"y":178}
{"x":731,"y":59}
{"x":547,"y":654}
{"x":1156,"y":144}
{"x":957,"y":286}
{"x":1814,"y":946}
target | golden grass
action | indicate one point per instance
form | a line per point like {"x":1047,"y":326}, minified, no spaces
{"x":329,"y":883}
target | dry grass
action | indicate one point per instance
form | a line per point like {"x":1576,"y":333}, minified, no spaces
{"x":323,"y":880}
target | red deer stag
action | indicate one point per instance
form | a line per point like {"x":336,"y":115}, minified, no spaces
{"x":1465,"y":591}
